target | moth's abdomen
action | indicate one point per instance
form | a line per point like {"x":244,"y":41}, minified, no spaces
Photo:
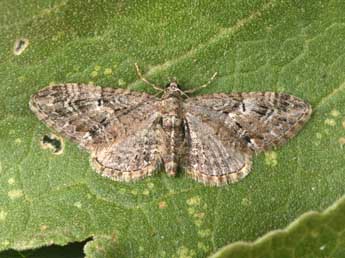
{"x":172,"y":126}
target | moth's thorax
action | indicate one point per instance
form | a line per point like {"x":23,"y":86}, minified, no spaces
{"x":171,"y":109}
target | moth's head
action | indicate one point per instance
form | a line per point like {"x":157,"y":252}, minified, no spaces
{"x":172,"y":89}
{"x":173,"y":86}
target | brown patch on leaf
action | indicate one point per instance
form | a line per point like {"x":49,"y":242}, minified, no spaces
{"x":162,"y":205}
{"x":341,"y":140}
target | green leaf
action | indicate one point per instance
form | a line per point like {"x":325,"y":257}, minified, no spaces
{"x":291,"y":46}
{"x":312,"y":235}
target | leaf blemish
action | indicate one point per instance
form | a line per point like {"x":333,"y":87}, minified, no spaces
{"x":204,"y":233}
{"x":151,"y":185}
{"x":3,"y":215}
{"x":108,"y":71}
{"x":121,"y":82}
{"x":146,"y":192}
{"x":330,"y":122}
{"x":134,"y":192}
{"x":5,"y":243}
{"x":162,"y":205}
{"x":11,"y":181}
{"x":77,"y":204}
{"x":341,"y":140}
{"x":335,"y":113}
{"x":271,"y":159}
{"x":94,"y":74}
{"x":52,"y":142}
{"x":194,"y":201}
{"x":202,"y":246}
{"x":20,"y":45}
{"x":15,"y":194}
{"x":184,"y":252}
{"x":199,"y":215}
{"x":246,"y":202}
{"x":319,"y":136}
{"x":43,"y":227}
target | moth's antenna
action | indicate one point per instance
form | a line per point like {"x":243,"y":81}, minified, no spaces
{"x":145,"y":80}
{"x":204,"y":85}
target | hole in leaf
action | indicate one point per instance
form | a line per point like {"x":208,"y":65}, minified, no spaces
{"x":20,"y":45}
{"x":52,"y":142}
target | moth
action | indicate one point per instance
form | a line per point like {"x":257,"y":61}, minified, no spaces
{"x":130,"y":134}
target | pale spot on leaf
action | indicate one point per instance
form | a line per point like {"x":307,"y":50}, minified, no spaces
{"x":335,"y":113}
{"x":5,"y":243}
{"x":134,"y":192}
{"x":198,"y":223}
{"x":246,"y":202}
{"x":194,"y":201}
{"x":121,"y":82}
{"x":341,"y":140}
{"x":14,"y":194}
{"x":150,"y":185}
{"x":11,"y":181}
{"x":108,"y":71}
{"x":202,"y":246}
{"x":43,"y":227}
{"x":77,"y":204}
{"x":94,"y":74}
{"x":146,"y":192}
{"x":191,"y":210}
{"x":271,"y":158}
{"x":3,"y":215}
{"x":204,"y":233}
{"x":199,"y":215}
{"x":184,"y":252}
{"x":330,"y":122}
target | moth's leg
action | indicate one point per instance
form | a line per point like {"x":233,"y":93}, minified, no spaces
{"x":204,"y":85}
{"x":145,"y":80}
